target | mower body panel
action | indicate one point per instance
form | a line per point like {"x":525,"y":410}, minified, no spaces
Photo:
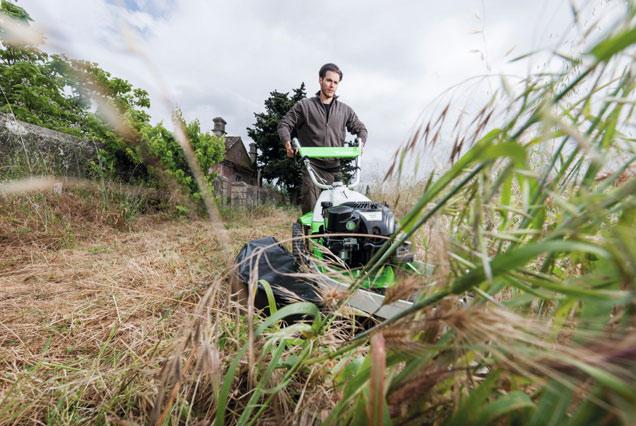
{"x":314,"y":223}
{"x":336,"y":196}
{"x":381,"y":280}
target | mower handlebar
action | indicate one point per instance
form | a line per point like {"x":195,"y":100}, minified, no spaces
{"x":340,"y":152}
{"x":345,"y":152}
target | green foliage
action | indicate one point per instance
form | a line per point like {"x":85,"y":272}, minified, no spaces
{"x":14,"y":11}
{"x":79,"y":98}
{"x":208,"y":148}
{"x":33,"y":87}
{"x":271,"y":158}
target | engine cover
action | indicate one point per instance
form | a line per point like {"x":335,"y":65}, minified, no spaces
{"x":375,"y":220}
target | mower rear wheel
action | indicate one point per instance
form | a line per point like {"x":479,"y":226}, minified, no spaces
{"x":299,"y":247}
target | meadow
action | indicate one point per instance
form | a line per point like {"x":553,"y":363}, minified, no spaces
{"x":116,"y":312}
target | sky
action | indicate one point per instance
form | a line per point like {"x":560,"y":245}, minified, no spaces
{"x":222,"y":58}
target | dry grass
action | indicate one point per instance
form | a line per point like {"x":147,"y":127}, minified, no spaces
{"x":90,"y":305}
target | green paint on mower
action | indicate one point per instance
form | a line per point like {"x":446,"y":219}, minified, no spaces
{"x":351,"y":227}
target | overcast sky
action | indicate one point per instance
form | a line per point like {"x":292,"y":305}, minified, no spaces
{"x":222,"y":58}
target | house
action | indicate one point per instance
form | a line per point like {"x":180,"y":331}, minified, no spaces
{"x":238,"y":165}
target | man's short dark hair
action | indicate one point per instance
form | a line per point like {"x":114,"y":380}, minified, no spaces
{"x":329,"y":67}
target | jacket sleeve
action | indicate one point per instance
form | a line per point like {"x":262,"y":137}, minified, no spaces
{"x":292,"y":120}
{"x":356,"y":127}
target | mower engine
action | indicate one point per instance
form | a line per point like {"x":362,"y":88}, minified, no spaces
{"x":374,"y":220}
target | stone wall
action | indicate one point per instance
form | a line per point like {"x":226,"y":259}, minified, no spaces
{"x":26,"y":149}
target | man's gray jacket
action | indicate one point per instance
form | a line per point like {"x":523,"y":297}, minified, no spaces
{"x":309,"y":119}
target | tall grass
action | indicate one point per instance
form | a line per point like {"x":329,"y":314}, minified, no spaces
{"x":529,"y":318}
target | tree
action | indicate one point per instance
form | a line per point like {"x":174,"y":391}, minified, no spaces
{"x":162,"y":145}
{"x":14,"y":11}
{"x":74,"y":96}
{"x":271,"y":158}
{"x":34,"y":85}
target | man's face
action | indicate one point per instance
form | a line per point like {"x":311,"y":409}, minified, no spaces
{"x":329,"y":84}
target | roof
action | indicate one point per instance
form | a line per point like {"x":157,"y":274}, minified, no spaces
{"x":236,"y":153}
{"x":230,"y":141}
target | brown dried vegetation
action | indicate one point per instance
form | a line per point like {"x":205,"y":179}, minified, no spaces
{"x":91,"y":303}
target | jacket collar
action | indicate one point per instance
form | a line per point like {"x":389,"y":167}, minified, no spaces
{"x":335,"y":97}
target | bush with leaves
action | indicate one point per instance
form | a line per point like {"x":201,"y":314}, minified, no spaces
{"x":162,"y":145}
{"x":79,"y":98}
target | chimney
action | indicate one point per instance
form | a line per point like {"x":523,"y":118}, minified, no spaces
{"x":253,"y":152}
{"x":219,"y":126}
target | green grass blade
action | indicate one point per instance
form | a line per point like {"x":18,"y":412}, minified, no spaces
{"x":469,"y":408}
{"x":551,"y":409}
{"x":609,"y":47}
{"x":271,"y":300}
{"x":301,"y":308}
{"x":223,"y":397}
{"x":519,"y":257}
{"x":260,"y":387}
{"x":513,"y":401}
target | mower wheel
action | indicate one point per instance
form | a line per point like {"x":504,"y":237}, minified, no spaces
{"x":299,"y":247}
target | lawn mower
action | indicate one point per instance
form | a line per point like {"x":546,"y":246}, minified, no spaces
{"x":345,"y":225}
{"x":336,"y":241}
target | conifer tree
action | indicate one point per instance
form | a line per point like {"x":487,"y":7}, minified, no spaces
{"x":271,"y":158}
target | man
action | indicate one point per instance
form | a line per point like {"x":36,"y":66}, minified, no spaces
{"x":320,"y":121}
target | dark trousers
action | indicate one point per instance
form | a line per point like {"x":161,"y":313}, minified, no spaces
{"x":311,"y":192}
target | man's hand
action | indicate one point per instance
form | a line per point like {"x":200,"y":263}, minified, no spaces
{"x":289,"y":149}
{"x":360,"y":144}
